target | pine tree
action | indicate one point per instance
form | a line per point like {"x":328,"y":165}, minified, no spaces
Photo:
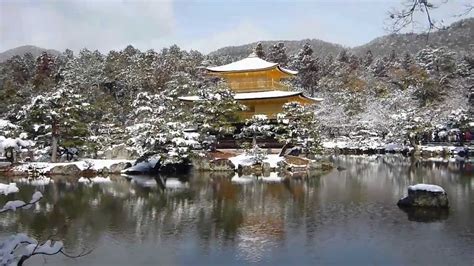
{"x":278,"y":54}
{"x":258,"y":50}
{"x":309,"y":69}
{"x":216,"y":111}
{"x":369,"y":58}
{"x":298,"y":126}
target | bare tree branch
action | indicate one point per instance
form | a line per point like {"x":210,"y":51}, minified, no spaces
{"x":403,"y":18}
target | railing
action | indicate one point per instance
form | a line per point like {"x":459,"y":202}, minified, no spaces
{"x":249,"y":85}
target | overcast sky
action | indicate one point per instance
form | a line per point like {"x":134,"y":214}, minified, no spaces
{"x":203,"y":25}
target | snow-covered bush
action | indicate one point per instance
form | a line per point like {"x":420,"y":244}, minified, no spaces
{"x":256,"y":154}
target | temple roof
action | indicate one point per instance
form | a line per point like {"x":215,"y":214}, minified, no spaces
{"x":259,"y":95}
{"x":251,"y":63}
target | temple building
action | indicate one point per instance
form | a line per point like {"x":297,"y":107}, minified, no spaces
{"x":257,"y":84}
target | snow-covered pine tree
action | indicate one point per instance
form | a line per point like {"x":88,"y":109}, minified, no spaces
{"x":60,"y":113}
{"x":369,"y":58}
{"x":258,"y":126}
{"x":309,"y":69}
{"x":278,"y":54}
{"x":297,"y":126}
{"x":259,"y":51}
{"x":216,"y":113}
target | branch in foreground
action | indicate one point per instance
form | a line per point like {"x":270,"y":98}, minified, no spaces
{"x":19,"y":204}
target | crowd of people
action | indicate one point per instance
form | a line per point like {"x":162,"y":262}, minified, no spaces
{"x":455,"y":135}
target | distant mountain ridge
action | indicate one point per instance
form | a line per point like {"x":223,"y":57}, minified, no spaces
{"x":459,"y":37}
{"x":292,"y":47}
{"x":21,"y":50}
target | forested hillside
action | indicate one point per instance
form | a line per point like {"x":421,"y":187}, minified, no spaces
{"x":457,"y":37}
{"x":95,"y":101}
{"x":22,"y":50}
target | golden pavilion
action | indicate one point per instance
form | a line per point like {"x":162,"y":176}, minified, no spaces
{"x":257,"y":85}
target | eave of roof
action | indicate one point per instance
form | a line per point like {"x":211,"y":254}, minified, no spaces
{"x":259,"y":96}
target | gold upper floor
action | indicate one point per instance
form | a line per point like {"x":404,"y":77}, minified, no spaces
{"x":253,"y":81}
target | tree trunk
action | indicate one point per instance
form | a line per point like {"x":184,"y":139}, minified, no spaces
{"x":54,"y":142}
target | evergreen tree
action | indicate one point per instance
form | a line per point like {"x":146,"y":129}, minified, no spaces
{"x":258,"y":126}
{"x":298,"y":126}
{"x":369,"y":58}
{"x":216,"y":111}
{"x":309,"y":69}
{"x":278,"y":54}
{"x":259,"y":51}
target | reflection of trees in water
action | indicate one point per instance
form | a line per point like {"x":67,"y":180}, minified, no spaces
{"x":374,"y":174}
{"x":254,"y":216}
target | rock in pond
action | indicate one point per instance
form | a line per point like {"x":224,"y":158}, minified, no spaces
{"x":68,"y":169}
{"x":425,"y":195}
{"x":118,"y":167}
{"x":221,"y":165}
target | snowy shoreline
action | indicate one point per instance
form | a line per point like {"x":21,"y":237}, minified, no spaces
{"x":85,"y":166}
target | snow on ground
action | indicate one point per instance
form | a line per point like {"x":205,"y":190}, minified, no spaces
{"x":93,"y":164}
{"x":242,"y":159}
{"x":426,"y":187}
{"x":6,"y":189}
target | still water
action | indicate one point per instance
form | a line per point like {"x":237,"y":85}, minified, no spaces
{"x":341,"y":217}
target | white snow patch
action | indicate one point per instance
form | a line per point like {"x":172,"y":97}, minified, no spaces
{"x":242,"y":159}
{"x":248,"y":63}
{"x":6,"y":189}
{"x":94,"y":164}
{"x":47,"y":248}
{"x":12,"y":205}
{"x":426,"y":187}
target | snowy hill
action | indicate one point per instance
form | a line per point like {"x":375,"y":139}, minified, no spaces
{"x":292,"y":47}
{"x":459,"y":37}
{"x":21,"y":50}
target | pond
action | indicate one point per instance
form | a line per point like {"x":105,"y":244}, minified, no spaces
{"x":346,"y":216}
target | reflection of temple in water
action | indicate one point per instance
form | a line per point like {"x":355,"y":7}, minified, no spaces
{"x":254,"y":220}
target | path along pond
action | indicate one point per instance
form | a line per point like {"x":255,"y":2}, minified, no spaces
{"x":341,"y":217}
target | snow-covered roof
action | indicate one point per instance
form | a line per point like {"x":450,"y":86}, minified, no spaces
{"x":251,"y":63}
{"x":258,"y":95}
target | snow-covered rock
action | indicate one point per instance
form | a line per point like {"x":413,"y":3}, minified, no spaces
{"x":6,"y":189}
{"x":65,"y":169}
{"x":143,"y":167}
{"x":425,"y":195}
